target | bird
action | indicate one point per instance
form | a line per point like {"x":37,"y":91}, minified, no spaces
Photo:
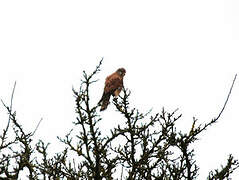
{"x":113,"y":86}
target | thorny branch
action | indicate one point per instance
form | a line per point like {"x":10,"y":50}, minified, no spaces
{"x":195,"y":131}
{"x":147,"y":146}
{"x":3,"y":137}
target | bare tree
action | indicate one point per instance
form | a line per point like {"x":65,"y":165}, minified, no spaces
{"x":147,"y":146}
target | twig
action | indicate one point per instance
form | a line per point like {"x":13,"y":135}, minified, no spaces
{"x":10,"y":110}
{"x":37,"y":126}
{"x":199,"y":130}
{"x":11,"y":105}
{"x":226,"y":99}
{"x":121,"y":177}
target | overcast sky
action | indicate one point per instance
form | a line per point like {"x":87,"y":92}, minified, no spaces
{"x":177,"y":54}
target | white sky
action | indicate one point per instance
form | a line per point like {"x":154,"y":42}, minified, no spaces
{"x":178,"y":54}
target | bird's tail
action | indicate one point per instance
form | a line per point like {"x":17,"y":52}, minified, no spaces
{"x":104,"y":101}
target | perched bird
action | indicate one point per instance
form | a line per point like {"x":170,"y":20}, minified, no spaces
{"x":113,"y":86}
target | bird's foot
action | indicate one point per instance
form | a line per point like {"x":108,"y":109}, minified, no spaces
{"x":115,"y":99}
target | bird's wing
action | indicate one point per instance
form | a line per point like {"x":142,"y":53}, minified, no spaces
{"x":112,"y":83}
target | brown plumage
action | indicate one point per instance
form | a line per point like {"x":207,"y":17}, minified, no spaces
{"x":113,"y":86}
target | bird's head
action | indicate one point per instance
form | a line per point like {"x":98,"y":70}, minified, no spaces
{"x":121,"y":71}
